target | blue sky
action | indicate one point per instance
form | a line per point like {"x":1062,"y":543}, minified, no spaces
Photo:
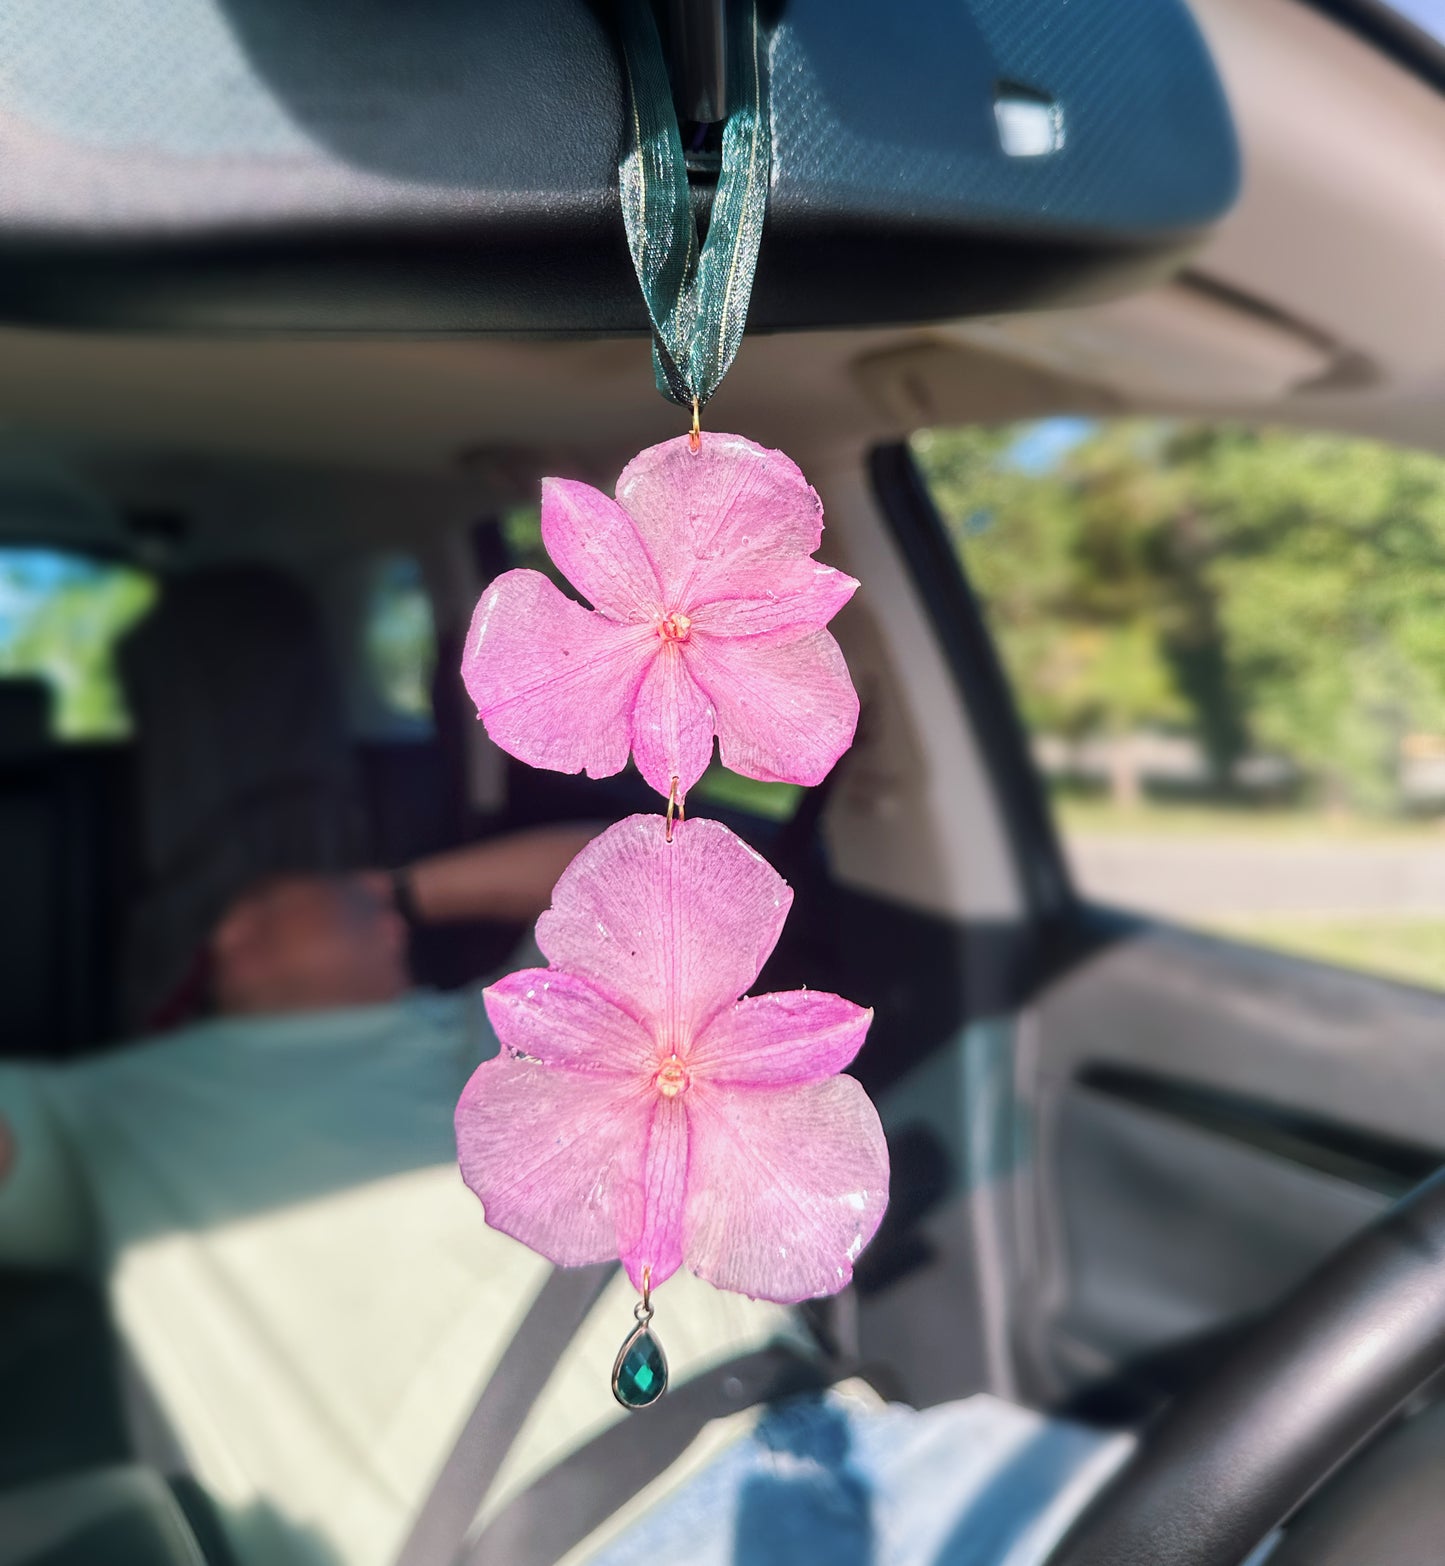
{"x":1040,"y":446}
{"x":29,"y":576}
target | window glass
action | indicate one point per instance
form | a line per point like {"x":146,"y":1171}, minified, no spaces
{"x":1228,"y":645}
{"x":61,"y":616}
{"x":732,"y":791}
{"x":521,"y":532}
{"x":400,"y":642}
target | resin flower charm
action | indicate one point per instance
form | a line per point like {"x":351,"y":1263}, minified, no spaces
{"x":640,"y":1109}
{"x":707,"y":618}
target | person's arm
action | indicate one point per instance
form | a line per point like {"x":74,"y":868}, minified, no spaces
{"x":509,"y":879}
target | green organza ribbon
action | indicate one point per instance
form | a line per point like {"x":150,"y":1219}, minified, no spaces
{"x":697,"y":293}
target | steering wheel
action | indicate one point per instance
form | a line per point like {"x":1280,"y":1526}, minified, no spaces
{"x":1313,"y":1380}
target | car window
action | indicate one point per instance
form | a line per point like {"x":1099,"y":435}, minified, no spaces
{"x":400,"y":645}
{"x":61,"y":617}
{"x":1228,"y":646}
{"x":520,"y":530}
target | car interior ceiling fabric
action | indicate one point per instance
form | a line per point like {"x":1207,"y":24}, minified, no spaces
{"x":243,"y":767}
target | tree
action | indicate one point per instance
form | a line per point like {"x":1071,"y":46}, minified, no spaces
{"x":65,"y":629}
{"x":1257,"y":587}
{"x":1328,"y":559}
{"x":1067,"y":564}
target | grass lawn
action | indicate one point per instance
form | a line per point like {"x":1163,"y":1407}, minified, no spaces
{"x":1396,"y":946}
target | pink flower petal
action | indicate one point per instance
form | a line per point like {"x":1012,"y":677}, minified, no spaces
{"x":785,"y":1186}
{"x":671,"y":932}
{"x":649,"y":1237}
{"x":595,"y":545}
{"x":784,"y":1039}
{"x":786,"y":709}
{"x":747,"y":1160}
{"x":553,"y":1154}
{"x":563,"y":1022}
{"x":704,"y":516}
{"x":785,"y":595}
{"x":553,"y":682}
{"x":672,"y":725}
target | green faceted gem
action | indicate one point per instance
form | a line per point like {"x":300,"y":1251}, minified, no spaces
{"x":639,"y":1376}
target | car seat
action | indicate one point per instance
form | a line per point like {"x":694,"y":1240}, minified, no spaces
{"x":243,"y":767}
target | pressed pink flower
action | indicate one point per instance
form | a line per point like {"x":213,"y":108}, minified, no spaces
{"x":640,"y":1109}
{"x":707,"y":618}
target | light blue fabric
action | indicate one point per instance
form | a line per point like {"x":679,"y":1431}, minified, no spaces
{"x":46,"y":1218}
{"x":229,"y":1118}
{"x":235,"y":1117}
{"x":830,"y":1479}
{"x":208,"y":1135}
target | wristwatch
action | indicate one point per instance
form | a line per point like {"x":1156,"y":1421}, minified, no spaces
{"x":403,"y":897}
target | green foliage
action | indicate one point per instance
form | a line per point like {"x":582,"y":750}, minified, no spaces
{"x":1328,"y":564}
{"x":521,"y":530}
{"x":1068,"y":564}
{"x":62,"y":623}
{"x":1259,"y":588}
{"x":771,"y":801}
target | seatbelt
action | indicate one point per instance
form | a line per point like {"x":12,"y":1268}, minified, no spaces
{"x":561,"y":1306}
{"x":568,"y":1502}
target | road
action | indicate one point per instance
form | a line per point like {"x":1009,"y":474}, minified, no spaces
{"x":1211,"y":877}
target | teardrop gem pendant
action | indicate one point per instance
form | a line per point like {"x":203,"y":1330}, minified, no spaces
{"x":639,"y":1373}
{"x":639,"y":1377}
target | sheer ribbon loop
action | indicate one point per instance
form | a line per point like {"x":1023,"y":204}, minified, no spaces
{"x":696,"y":292}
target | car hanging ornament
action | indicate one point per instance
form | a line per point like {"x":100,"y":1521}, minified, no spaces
{"x":643,"y":1107}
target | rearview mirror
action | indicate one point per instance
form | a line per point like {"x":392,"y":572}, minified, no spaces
{"x":450,"y":165}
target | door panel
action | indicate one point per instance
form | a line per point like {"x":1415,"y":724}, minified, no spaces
{"x":1208,"y":1121}
{"x":1169,"y":1230}
{"x":1290,"y":1032}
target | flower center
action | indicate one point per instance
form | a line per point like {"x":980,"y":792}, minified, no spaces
{"x":675,"y":627}
{"x":672,"y":1077}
